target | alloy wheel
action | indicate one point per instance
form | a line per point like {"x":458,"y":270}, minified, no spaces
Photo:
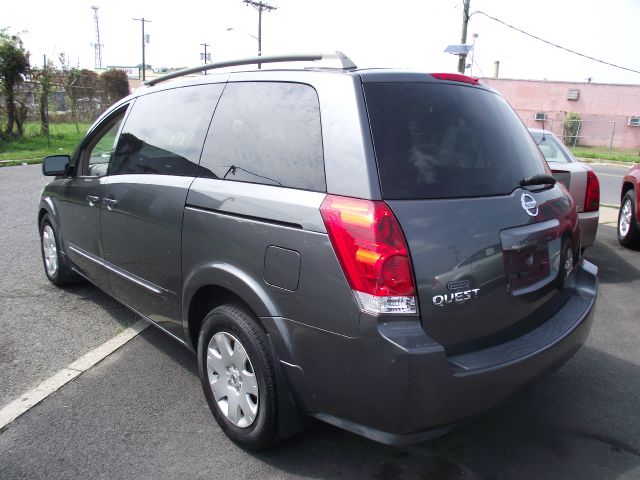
{"x":568,"y":262}
{"x":625,"y":219}
{"x":50,"y":250}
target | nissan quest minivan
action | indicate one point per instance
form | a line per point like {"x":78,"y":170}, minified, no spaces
{"x":382,"y":250}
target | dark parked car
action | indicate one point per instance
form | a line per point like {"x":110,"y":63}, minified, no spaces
{"x":579,"y":178}
{"x":628,"y":221}
{"x":294,"y":228}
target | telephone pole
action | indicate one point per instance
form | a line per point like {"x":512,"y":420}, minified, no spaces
{"x":465,"y":20}
{"x":144,"y":65}
{"x":205,"y":57}
{"x":260,"y":7}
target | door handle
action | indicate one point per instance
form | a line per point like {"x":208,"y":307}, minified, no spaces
{"x":92,"y":199}
{"x":110,"y":203}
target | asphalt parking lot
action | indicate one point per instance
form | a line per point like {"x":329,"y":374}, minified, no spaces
{"x":140,"y":413}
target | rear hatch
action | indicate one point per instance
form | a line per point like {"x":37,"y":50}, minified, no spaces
{"x":485,"y":251}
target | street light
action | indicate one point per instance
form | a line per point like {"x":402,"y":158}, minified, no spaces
{"x":229,"y":29}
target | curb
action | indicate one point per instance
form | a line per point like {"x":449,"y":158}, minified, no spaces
{"x":600,"y":161}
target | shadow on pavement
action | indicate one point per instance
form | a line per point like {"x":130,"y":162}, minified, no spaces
{"x":579,"y":423}
{"x":84,"y":291}
{"x":608,"y":255}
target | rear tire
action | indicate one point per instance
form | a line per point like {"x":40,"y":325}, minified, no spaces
{"x":567,"y":262}
{"x":238,"y":377}
{"x":628,"y":234}
{"x":54,"y":265}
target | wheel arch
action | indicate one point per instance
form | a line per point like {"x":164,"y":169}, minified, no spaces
{"x":629,"y":185}
{"x":626,"y":186}
{"x":216,"y":284}
{"x":47,"y":207}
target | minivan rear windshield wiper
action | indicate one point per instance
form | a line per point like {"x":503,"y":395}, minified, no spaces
{"x":541,"y":179}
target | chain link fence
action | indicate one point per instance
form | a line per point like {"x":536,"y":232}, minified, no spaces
{"x":65,"y":104}
{"x":55,"y":97}
{"x":608,"y":133}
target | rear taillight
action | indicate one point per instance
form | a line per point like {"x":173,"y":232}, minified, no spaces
{"x":456,"y":77}
{"x":592,"y":197}
{"x":373,"y":253}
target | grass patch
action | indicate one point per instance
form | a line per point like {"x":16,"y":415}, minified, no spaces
{"x":33,"y":147}
{"x":602,"y":153}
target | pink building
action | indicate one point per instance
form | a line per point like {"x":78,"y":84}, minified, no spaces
{"x":608,"y":111}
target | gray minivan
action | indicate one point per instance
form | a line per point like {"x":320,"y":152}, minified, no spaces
{"x":305,"y":232}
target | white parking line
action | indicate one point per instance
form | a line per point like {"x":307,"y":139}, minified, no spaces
{"x":29,"y":399}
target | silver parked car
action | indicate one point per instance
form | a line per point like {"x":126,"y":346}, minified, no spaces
{"x":580,"y":179}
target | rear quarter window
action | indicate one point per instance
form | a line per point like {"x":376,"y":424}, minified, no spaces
{"x":267,"y":133}
{"x":444,"y":141}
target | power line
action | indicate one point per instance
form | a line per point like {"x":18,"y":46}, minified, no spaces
{"x":555,"y":45}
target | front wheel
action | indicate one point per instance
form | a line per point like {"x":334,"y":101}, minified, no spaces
{"x":237,"y":376}
{"x":628,"y":234}
{"x":56,"y":270}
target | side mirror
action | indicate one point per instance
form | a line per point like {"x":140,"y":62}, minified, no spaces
{"x":56,"y":165}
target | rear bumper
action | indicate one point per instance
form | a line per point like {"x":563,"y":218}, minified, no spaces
{"x":588,"y":227}
{"x":395,"y":385}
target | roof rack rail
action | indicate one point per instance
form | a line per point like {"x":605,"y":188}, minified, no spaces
{"x":345,"y":62}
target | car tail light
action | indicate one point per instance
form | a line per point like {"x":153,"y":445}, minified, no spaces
{"x":456,"y":77}
{"x":373,"y":253}
{"x":592,"y":197}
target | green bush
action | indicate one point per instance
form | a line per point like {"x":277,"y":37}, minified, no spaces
{"x":571,"y":128}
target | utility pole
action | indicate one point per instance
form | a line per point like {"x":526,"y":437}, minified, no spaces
{"x":144,"y":65}
{"x":260,"y":7}
{"x":46,"y":85}
{"x":205,"y":57}
{"x":465,"y":20}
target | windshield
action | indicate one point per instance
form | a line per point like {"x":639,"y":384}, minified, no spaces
{"x":444,"y":141}
{"x":550,"y":147}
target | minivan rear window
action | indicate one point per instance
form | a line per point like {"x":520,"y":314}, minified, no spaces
{"x":445,"y":141}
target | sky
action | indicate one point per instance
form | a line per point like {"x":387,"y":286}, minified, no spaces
{"x":408,"y":34}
